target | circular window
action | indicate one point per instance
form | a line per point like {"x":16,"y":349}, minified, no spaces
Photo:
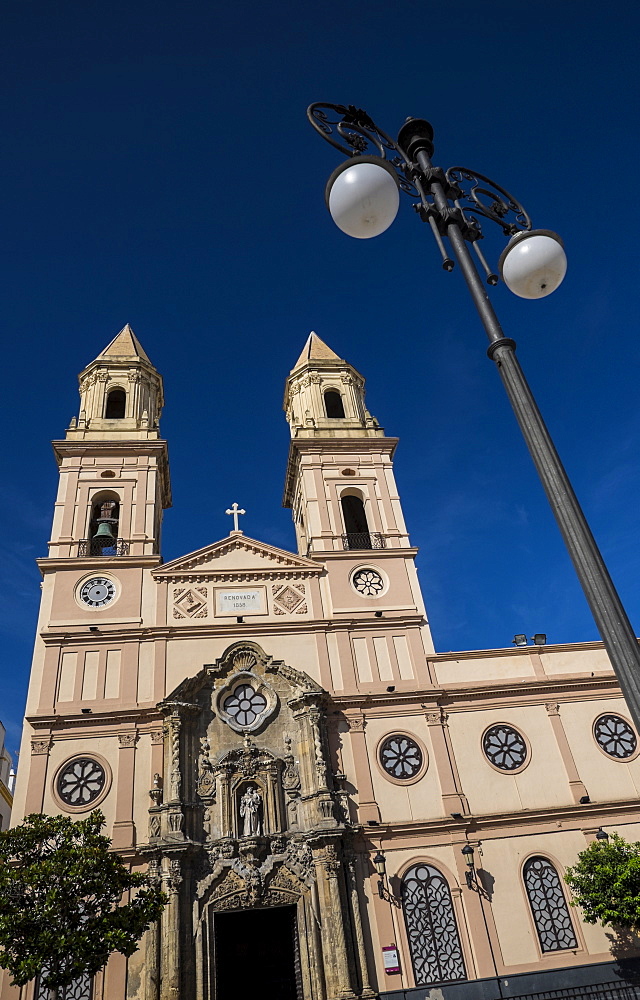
{"x":81,"y":781}
{"x":368,"y":582}
{"x":401,"y":757}
{"x":245,"y":705}
{"x":615,"y":737}
{"x":505,"y":748}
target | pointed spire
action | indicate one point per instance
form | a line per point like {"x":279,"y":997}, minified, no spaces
{"x":315,"y":350}
{"x":125,"y":345}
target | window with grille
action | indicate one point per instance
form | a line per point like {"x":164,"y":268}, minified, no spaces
{"x":79,"y":989}
{"x":434,"y":942}
{"x":548,"y":905}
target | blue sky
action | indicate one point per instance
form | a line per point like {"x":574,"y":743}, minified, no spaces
{"x":159,"y":170}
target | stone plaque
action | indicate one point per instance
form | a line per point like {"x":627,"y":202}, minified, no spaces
{"x":241,"y":601}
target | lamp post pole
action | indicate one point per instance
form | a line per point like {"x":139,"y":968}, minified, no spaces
{"x":452,"y":212}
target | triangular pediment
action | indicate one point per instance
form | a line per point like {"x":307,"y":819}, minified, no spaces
{"x":237,"y":554}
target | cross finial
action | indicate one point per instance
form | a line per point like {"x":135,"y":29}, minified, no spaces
{"x":235,"y":510}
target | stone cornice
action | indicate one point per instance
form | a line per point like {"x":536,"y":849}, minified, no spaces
{"x":64,"y":448}
{"x":400,"y":835}
{"x":147,"y":633}
{"x":525,"y":651}
{"x":49,"y":563}
{"x":375,"y":554}
{"x":143,"y":720}
{"x":512,"y":693}
{"x":210,"y":575}
{"x":6,"y":794}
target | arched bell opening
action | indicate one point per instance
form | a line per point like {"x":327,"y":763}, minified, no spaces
{"x":357,"y":534}
{"x":104,"y":525}
{"x":333,"y":405}
{"x":115,"y":404}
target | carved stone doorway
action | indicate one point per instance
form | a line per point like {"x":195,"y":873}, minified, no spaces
{"x":256,"y":954}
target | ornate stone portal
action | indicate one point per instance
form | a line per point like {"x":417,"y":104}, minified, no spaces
{"x":251,"y":819}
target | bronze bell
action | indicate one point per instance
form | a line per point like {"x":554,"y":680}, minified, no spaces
{"x":104,"y":532}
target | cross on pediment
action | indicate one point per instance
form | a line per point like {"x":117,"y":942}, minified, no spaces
{"x":234,"y":510}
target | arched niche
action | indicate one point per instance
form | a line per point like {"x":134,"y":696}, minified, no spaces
{"x":250,"y":804}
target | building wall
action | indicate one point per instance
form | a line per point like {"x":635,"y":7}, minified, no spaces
{"x":99,"y":674}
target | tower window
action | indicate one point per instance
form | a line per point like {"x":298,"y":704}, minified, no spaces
{"x":104,"y":526}
{"x":355,"y":519}
{"x":116,"y":403}
{"x":333,"y":404}
{"x":357,"y":534}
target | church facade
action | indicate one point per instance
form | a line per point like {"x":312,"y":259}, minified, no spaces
{"x":334,"y":809}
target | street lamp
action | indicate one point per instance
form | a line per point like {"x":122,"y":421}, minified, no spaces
{"x":467,"y":853}
{"x":452,"y":202}
{"x":380,"y":863}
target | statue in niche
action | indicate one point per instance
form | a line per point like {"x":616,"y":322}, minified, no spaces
{"x":250,"y":805}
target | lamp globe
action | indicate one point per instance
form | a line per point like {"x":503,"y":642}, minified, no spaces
{"x":363,"y":197}
{"x":533,"y":264}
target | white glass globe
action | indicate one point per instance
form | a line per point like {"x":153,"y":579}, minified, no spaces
{"x":533,"y":264}
{"x":363,"y":197}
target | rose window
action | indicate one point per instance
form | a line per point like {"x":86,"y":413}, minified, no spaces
{"x":504,"y":747}
{"x":615,"y":736}
{"x":81,"y":781}
{"x":401,"y":757}
{"x":368,"y":582}
{"x":245,"y":705}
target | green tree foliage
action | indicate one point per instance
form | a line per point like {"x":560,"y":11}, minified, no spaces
{"x":606,"y":882}
{"x":61,"y":909}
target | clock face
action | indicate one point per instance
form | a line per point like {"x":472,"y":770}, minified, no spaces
{"x":97,"y":592}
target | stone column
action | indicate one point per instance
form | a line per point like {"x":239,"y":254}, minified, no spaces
{"x":333,"y":924}
{"x":123,"y":828}
{"x":172,"y":727}
{"x":352,"y":866}
{"x":170,"y":949}
{"x":151,"y":970}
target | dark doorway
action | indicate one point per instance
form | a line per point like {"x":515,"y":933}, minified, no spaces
{"x":256,"y":954}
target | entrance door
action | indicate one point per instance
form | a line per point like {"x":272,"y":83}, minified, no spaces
{"x":256,"y":954}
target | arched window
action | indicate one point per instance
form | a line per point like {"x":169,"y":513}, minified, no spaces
{"x":116,"y":404}
{"x":333,"y":403}
{"x":434,"y":942}
{"x":548,"y":905}
{"x":104,"y":525}
{"x":355,"y":522}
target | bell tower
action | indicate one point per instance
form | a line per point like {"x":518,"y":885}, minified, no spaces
{"x":341,"y":488}
{"x":114,"y":478}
